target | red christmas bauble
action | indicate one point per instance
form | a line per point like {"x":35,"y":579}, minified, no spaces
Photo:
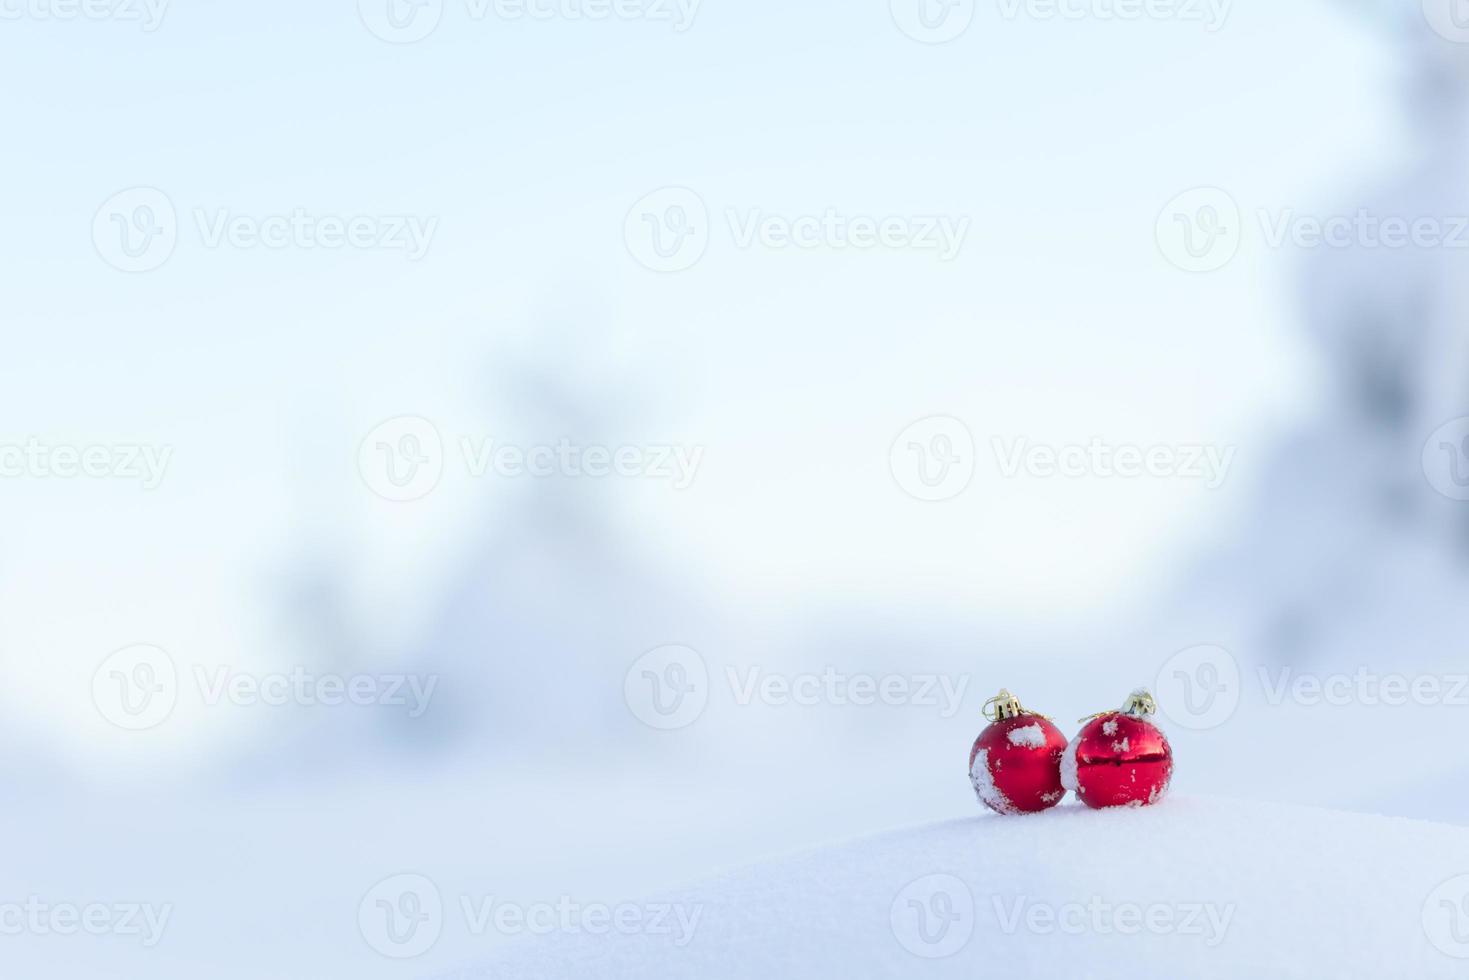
{"x":1118,"y":759}
{"x":1015,"y":765}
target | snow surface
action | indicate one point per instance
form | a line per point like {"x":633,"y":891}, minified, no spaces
{"x":1194,"y":887}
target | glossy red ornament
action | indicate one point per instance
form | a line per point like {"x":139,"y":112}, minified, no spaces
{"x":1015,"y":765}
{"x":1119,"y":758}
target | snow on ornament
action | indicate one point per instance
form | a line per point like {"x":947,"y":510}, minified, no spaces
{"x":1119,"y":758}
{"x":1015,"y":765}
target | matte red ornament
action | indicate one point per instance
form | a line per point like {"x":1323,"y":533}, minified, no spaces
{"x":1119,"y":758}
{"x":1015,"y":765}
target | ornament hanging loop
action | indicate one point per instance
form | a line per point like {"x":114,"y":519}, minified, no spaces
{"x":1006,"y":705}
{"x":1139,"y":704}
{"x":1003,"y":705}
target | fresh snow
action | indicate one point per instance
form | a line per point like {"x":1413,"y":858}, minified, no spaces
{"x":1030,"y":736}
{"x":1196,"y":888}
{"x":1069,"y":766}
{"x":984,"y":783}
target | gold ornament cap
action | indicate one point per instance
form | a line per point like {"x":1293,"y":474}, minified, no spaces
{"x":1006,"y":705}
{"x":1003,"y":705}
{"x":1139,"y":704}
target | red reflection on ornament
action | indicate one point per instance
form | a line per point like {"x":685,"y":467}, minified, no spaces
{"x":1121,"y":761}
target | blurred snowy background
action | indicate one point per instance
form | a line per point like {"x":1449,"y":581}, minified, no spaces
{"x":564,"y":449}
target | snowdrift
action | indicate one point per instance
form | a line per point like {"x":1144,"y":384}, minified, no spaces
{"x":1188,"y":890}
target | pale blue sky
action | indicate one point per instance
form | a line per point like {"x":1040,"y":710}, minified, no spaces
{"x":529,"y":141}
